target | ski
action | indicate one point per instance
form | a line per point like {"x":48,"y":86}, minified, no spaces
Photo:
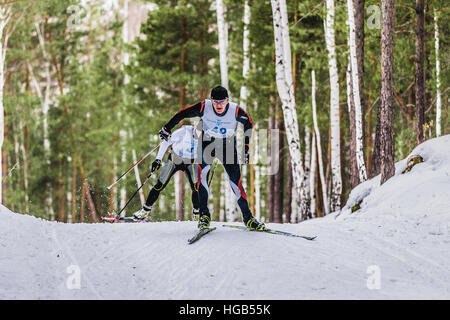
{"x":200,"y":234}
{"x":124,"y":219}
{"x":267,"y":230}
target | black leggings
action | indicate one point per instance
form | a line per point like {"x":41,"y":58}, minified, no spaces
{"x":232,"y":168}
{"x":191,"y":171}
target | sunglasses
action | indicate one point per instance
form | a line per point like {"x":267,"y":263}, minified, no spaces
{"x":220,"y":101}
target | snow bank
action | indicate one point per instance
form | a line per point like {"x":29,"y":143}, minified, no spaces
{"x":423,"y":190}
{"x":394,"y":247}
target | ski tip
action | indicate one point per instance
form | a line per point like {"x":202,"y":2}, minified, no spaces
{"x":109,"y":219}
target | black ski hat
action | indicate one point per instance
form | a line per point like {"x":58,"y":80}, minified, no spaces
{"x":219,"y":93}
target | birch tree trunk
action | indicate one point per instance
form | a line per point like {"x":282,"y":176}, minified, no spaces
{"x":257,"y":212}
{"x":438,"y":79}
{"x":285,"y":88}
{"x":271,"y":177}
{"x":312,"y":177}
{"x":336,"y":190}
{"x":319,"y":147}
{"x":222,"y":26}
{"x":353,"y":170}
{"x":357,"y":95}
{"x":246,"y":60}
{"x":307,"y":152}
{"x":45,"y":101}
{"x":244,"y":91}
{"x":3,"y":45}
{"x":386,"y":109}
{"x":307,"y":164}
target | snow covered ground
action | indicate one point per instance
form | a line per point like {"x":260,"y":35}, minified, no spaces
{"x":397,"y":246}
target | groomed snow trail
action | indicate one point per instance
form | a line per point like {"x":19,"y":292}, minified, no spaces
{"x":395,"y":247}
{"x":154,"y":261}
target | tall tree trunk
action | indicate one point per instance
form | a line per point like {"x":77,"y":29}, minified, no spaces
{"x":4,"y":163}
{"x":271,"y":177}
{"x":69,"y":193}
{"x":83,"y":203}
{"x":358,"y":9}
{"x":278,"y":178}
{"x":356,"y":70}
{"x":288,"y":191}
{"x":4,"y":12}
{"x":312,"y":177}
{"x":307,"y":164}
{"x":438,"y":79}
{"x":73,"y":197}
{"x":336,"y":190}
{"x":222,"y":26}
{"x":179,"y":192}
{"x":90,"y":201}
{"x":60,"y":199}
{"x":24,"y":147}
{"x":419,"y":74}
{"x":369,"y":141}
{"x":257,"y":209}
{"x":376,"y":155}
{"x":246,"y":58}
{"x":319,"y":147}
{"x":45,"y":102}
{"x":354,"y":175}
{"x":179,"y":178}
{"x":387,"y":91}
{"x":283,"y":66}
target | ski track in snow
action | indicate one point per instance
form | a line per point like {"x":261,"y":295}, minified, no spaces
{"x":402,"y":229}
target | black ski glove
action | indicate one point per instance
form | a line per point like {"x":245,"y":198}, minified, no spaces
{"x":164,"y":133}
{"x":156,"y":165}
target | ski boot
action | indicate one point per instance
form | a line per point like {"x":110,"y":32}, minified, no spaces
{"x":195,"y":214}
{"x":204,"y":221}
{"x":254,"y":224}
{"x":143,"y":214}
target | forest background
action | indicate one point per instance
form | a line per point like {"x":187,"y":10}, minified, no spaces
{"x":86,"y":86}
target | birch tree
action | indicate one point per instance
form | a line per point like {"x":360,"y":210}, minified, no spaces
{"x":44,"y":97}
{"x":5,"y":15}
{"x":222,"y":26}
{"x":285,"y":88}
{"x":336,"y":190}
{"x":246,"y":60}
{"x":244,"y":90}
{"x":355,"y":86}
{"x":312,"y":177}
{"x":438,"y":79}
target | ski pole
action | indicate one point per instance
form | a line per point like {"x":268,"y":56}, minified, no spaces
{"x":134,"y":165}
{"x":135,"y":193}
